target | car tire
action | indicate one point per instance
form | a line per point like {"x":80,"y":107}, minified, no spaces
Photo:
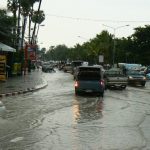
{"x":124,"y":87}
{"x":143,"y":84}
{"x":76,"y":92}
{"x":101,"y":94}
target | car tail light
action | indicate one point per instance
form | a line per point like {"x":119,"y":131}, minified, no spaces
{"x":102,"y":82}
{"x":76,"y":84}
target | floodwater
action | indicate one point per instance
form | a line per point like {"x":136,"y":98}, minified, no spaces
{"x":55,"y":118}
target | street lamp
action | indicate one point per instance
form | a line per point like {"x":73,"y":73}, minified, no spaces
{"x":114,"y":45}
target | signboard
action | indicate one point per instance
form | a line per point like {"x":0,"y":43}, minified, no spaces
{"x":32,"y":52}
{"x":32,"y":55}
{"x":101,"y":58}
{"x":2,"y":68}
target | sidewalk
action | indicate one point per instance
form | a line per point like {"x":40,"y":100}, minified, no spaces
{"x":23,"y":84}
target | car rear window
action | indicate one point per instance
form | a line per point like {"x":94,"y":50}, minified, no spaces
{"x":90,"y":69}
{"x":89,"y":75}
{"x":114,"y":74}
{"x":75,"y":64}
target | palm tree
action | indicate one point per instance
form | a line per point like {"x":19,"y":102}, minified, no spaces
{"x":12,"y":5}
{"x":38,"y":17}
{"x":25,"y":9}
{"x":30,"y":15}
{"x":33,"y":34}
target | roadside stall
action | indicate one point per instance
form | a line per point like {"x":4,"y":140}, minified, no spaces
{"x":5,"y":51}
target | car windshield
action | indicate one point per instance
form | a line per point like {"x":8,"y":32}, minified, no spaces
{"x":68,"y":65}
{"x":77,"y":63}
{"x":135,"y":73}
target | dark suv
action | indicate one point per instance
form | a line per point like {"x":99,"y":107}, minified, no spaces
{"x":89,"y":79}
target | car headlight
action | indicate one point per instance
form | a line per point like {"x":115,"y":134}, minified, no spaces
{"x":130,"y":77}
{"x":144,"y":78}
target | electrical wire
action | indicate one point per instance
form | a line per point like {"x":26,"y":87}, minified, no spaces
{"x":98,"y":20}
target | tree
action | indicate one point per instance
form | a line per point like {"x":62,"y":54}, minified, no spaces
{"x":38,"y":19}
{"x":6,"y":26}
{"x":30,"y":15}
{"x":141,"y":41}
{"x":12,"y":5}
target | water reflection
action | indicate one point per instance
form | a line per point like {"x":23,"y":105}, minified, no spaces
{"x":86,"y":109}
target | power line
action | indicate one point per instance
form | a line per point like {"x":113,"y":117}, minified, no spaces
{"x":98,"y":20}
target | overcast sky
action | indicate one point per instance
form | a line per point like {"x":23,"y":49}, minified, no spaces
{"x":75,"y":21}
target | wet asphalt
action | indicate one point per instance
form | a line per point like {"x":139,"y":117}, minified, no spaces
{"x":55,"y":118}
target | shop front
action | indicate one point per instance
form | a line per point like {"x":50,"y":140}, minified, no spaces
{"x":3,"y":73}
{"x":6,"y":61}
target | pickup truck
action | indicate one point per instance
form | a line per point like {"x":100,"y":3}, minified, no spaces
{"x":114,"y":78}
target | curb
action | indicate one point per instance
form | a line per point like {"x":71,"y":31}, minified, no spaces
{"x":33,"y":89}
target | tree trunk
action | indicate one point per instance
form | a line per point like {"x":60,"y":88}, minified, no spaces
{"x":18,"y":27}
{"x":33,"y":34}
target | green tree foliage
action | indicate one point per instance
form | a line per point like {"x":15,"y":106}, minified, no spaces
{"x":38,"y":17}
{"x":89,"y":51}
{"x":6,"y":26}
{"x":59,"y":52}
{"x":133,"y":49}
{"x":141,"y":42}
{"x":124,"y":48}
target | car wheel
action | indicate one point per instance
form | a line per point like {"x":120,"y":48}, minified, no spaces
{"x":124,"y":87}
{"x":143,"y":84}
{"x":101,"y":94}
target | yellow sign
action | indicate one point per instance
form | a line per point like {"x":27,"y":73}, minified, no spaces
{"x":2,"y":58}
{"x":2,"y":77}
{"x":2,"y":68}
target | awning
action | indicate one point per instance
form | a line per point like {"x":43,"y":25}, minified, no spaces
{"x":6,"y":48}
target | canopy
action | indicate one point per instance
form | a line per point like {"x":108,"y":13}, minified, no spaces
{"x":6,"y":48}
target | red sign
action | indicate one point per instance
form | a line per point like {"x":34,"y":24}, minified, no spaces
{"x":30,"y":52}
{"x":32,"y":55}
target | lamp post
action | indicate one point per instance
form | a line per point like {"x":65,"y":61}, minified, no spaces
{"x":114,"y":44}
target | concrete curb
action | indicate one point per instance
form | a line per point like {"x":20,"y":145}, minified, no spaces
{"x":38,"y":87}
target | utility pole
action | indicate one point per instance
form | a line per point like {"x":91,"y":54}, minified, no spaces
{"x":114,"y":43}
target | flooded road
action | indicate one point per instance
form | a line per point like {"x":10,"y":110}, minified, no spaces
{"x":55,"y":118}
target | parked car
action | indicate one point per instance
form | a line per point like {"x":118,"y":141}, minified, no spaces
{"x":147,"y":70}
{"x":136,"y":77}
{"x":143,"y":69}
{"x":89,"y":79}
{"x":76,"y":64}
{"x":148,"y":76}
{"x":47,"y":68}
{"x":114,"y":78}
{"x":67,"y":68}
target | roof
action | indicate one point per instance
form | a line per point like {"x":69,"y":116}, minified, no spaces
{"x":88,"y":68}
{"x":6,"y":48}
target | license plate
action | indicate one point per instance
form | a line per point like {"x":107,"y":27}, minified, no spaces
{"x":88,"y":91}
{"x":118,"y":85}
